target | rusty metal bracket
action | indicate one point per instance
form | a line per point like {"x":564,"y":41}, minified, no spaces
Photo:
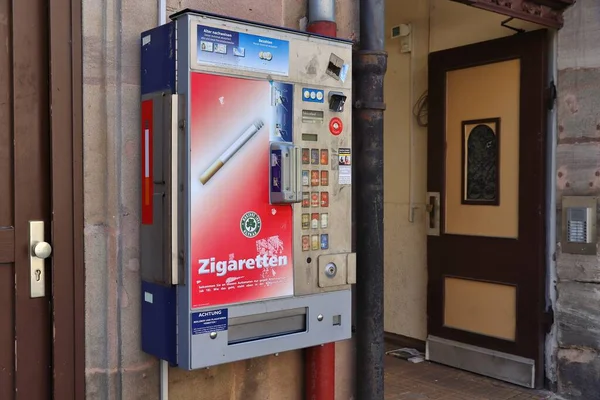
{"x":370,"y":61}
{"x":366,"y":105}
{"x":370,"y":67}
{"x":504,"y":24}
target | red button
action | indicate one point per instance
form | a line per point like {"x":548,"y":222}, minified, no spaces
{"x":335,"y":126}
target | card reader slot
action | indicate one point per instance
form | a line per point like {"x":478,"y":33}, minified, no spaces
{"x":263,"y":326}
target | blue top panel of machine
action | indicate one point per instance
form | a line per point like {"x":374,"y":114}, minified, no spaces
{"x":278,"y":28}
{"x":158,"y":59}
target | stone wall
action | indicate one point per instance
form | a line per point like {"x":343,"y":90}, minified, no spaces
{"x":578,"y":174}
{"x":115,"y":366}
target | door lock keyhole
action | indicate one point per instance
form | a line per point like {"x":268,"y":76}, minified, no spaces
{"x":330,"y":270}
{"x":38,"y":274}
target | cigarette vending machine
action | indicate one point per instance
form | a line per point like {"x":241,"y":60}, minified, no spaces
{"x":246,"y":188}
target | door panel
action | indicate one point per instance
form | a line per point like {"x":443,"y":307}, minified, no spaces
{"x":483,"y":101}
{"x":7,"y":350}
{"x":486,"y":152}
{"x":25,"y":336}
{"x":480,"y":307}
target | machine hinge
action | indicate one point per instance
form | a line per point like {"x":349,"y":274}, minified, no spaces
{"x":548,"y":319}
{"x":550,"y":95}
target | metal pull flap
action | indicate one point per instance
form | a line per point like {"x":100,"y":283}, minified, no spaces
{"x":285,"y":178}
{"x":432,"y":206}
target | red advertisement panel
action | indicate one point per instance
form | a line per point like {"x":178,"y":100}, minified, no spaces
{"x":241,"y":245}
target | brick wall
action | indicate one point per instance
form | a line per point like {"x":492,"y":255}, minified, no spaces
{"x":578,"y":173}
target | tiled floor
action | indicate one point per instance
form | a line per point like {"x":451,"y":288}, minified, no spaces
{"x":407,"y":381}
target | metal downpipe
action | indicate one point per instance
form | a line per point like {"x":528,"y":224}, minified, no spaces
{"x":320,"y":360}
{"x":370,"y":65}
{"x":321,"y":17}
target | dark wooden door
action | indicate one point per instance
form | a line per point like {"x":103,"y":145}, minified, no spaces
{"x":486,"y":220}
{"x":25,"y":324}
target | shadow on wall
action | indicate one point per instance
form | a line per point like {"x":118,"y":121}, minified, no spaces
{"x":280,"y":377}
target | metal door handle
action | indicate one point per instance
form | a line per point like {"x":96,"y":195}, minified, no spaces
{"x":431,"y":210}
{"x":42,"y":250}
{"x":39,"y":250}
{"x":433,"y":217}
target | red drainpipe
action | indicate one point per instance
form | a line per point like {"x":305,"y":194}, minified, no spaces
{"x":325,"y":28}
{"x":319,"y":378}
{"x":320,"y":360}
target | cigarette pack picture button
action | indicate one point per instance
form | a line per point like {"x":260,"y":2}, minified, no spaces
{"x":335,"y":126}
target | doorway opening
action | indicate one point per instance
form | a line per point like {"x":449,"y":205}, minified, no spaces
{"x":465,"y":189}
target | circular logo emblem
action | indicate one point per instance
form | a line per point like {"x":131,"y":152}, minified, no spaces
{"x":336,"y":126}
{"x":250,"y":224}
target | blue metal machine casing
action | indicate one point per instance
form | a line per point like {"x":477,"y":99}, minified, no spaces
{"x":319,"y":308}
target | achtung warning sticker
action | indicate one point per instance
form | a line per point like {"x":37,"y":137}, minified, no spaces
{"x":209,"y":321}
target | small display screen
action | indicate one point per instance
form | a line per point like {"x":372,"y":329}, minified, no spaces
{"x":309,"y":137}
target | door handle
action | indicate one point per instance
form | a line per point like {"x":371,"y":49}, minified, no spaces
{"x":432,"y":206}
{"x":431,"y":211}
{"x":39,"y":250}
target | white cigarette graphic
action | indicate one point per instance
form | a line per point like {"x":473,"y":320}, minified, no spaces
{"x":238,"y":144}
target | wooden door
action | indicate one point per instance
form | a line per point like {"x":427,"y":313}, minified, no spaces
{"x":486,"y":220}
{"x":25,"y":322}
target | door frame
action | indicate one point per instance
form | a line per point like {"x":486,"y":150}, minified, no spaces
{"x":535,"y":108}
{"x":66,"y":132}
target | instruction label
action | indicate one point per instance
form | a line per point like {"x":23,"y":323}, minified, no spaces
{"x":345,"y":165}
{"x":241,"y":50}
{"x":209,"y":321}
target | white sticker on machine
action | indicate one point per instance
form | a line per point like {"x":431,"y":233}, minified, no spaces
{"x":345,"y":164}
